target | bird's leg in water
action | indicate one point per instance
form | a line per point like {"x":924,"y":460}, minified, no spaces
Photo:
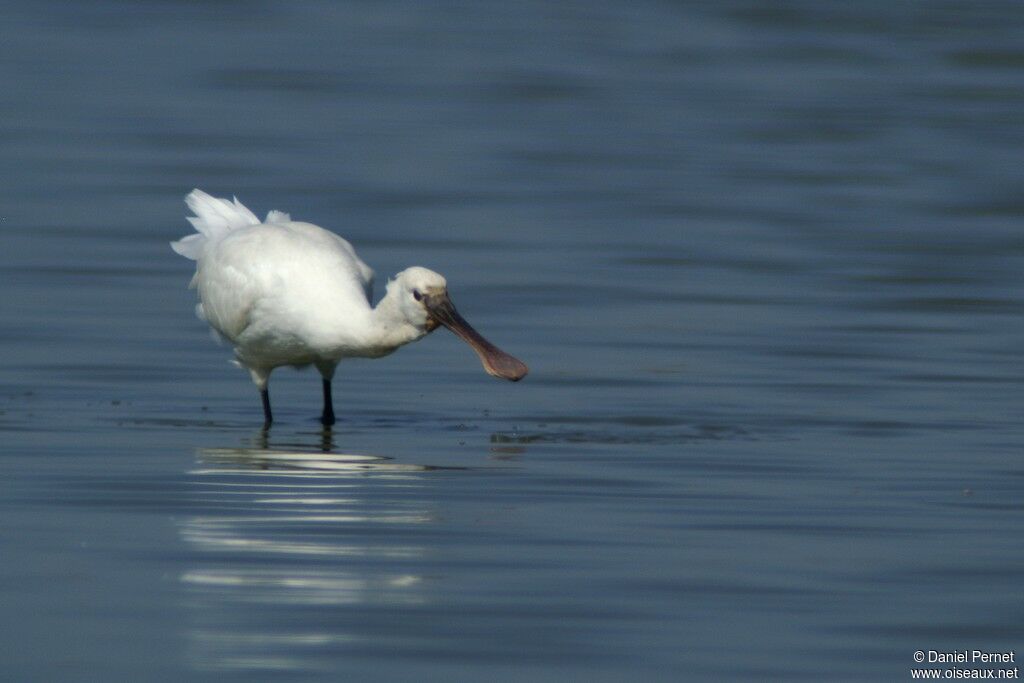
{"x":327,"y":419}
{"x":267,"y":417}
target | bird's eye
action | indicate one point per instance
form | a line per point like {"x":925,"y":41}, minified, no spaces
{"x":416,"y":294}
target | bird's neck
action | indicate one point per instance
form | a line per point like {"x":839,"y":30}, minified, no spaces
{"x":389,"y":327}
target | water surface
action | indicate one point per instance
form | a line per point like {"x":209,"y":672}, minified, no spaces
{"x":764,"y":264}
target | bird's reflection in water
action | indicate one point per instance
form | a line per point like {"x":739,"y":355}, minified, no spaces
{"x":322,"y":440}
{"x":293,"y":546}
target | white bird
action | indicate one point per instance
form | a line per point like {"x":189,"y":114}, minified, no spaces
{"x":283,"y":292}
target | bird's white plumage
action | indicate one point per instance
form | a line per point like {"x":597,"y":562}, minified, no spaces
{"x":213,"y":219}
{"x":284,"y":292}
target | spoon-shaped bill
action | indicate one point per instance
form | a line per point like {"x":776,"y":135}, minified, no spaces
{"x":496,"y":362}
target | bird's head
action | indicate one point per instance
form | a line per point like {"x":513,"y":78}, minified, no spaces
{"x":423,"y":299}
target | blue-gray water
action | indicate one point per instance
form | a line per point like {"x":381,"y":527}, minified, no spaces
{"x":764,"y":260}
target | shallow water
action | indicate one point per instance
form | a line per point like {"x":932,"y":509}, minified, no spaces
{"x":764,"y":265}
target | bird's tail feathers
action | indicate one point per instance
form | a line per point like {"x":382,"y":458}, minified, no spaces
{"x":213,"y":218}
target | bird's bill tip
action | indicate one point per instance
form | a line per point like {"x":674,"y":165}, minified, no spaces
{"x":503,"y":365}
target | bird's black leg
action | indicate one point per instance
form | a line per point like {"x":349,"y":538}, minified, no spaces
{"x":267,"y":417}
{"x":327,"y":419}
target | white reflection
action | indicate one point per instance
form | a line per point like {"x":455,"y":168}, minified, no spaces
{"x":247,"y":459}
{"x":306,"y":588}
{"x":288,"y":541}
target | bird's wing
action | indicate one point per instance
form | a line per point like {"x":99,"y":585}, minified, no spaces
{"x":360,"y":273}
{"x":273,"y":273}
{"x":227,"y":296}
{"x":366,"y":275}
{"x":363,"y":273}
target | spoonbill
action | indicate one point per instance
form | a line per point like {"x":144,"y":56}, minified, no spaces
{"x":283,"y":292}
